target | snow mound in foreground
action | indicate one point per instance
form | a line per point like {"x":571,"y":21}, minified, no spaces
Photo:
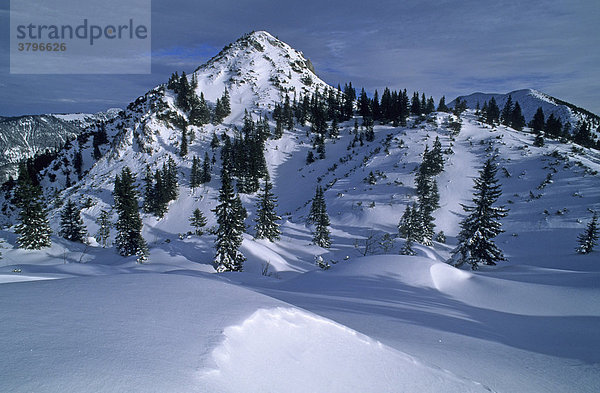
{"x":289,"y":350}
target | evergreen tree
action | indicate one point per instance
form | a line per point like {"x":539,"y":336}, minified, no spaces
{"x":554,"y":126}
{"x":517,"y":121}
{"x":582,"y":135}
{"x":589,"y":238}
{"x":205,"y":176}
{"x":230,"y":217}
{"x":129,"y":240}
{"x":183,"y":147}
{"x":78,"y":163}
{"x":409,"y":229}
{"x":537,"y":123}
{"x":33,"y":227}
{"x":266,"y":217}
{"x":481,"y":225}
{"x":428,"y":202}
{"x":198,"y":221}
{"x":318,"y":215}
{"x":149,"y":191}
{"x":493,"y":112}
{"x":71,"y":224}
{"x":334,"y":131}
{"x":104,"y":225}
{"x":214,"y":142}
{"x":442,"y":105}
{"x":195,"y":174}
{"x":364,"y":104}
{"x":506,"y":114}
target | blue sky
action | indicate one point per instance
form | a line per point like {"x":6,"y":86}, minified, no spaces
{"x":440,"y":47}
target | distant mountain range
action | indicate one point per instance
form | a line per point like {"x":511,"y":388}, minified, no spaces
{"x":24,"y":137}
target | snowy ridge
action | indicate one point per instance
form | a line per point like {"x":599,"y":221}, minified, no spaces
{"x":530,"y":100}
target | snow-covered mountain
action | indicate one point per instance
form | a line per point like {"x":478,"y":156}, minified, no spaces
{"x":376,"y":321}
{"x":28,"y":136}
{"x":530,"y":100}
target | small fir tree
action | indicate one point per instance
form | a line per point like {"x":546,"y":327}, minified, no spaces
{"x":104,"y":226}
{"x":33,"y":227}
{"x":482,"y":223}
{"x":198,"y":221}
{"x":71,"y":224}
{"x":129,"y":224}
{"x":230,"y":218}
{"x":589,"y":238}
{"x":319,"y":217}
{"x":267,"y":226}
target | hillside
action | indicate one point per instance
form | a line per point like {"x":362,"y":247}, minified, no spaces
{"x":26,"y":137}
{"x":376,"y":321}
{"x":530,"y":100}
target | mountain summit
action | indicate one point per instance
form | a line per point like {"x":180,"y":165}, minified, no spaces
{"x":258,"y":70}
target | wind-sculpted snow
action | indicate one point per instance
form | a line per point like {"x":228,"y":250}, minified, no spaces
{"x":289,"y":350}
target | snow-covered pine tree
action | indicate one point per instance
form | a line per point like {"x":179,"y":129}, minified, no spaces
{"x":482,"y":223}
{"x":198,"y":221}
{"x":319,"y":217}
{"x":129,"y":240}
{"x":267,"y":226}
{"x":428,"y":197}
{"x":195,"y":173}
{"x":589,"y":238}
{"x":230,"y":217}
{"x":183,"y":146}
{"x":409,"y":229}
{"x":149,"y":191}
{"x":205,"y":175}
{"x":104,"y":226}
{"x":71,"y":224}
{"x":33,"y":227}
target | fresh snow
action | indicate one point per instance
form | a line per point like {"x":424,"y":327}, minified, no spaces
{"x":81,"y":318}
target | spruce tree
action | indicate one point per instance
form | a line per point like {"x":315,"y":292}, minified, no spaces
{"x":517,"y":121}
{"x":195,"y":173}
{"x":409,"y":229}
{"x":589,"y":238}
{"x":493,"y":112}
{"x":149,"y":204}
{"x":442,"y":105}
{"x":198,"y":221}
{"x":183,"y":147}
{"x":129,"y":240}
{"x":481,"y":224}
{"x":266,"y":216}
{"x":33,"y":227}
{"x":537,"y":123}
{"x":205,"y":175}
{"x":71,"y":224}
{"x":506,"y":114}
{"x":230,"y":217}
{"x":104,"y":225}
{"x":319,"y":217}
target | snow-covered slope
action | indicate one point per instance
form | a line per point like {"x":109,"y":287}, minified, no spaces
{"x":530,"y":100}
{"x":26,"y":137}
{"x":376,"y":321}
